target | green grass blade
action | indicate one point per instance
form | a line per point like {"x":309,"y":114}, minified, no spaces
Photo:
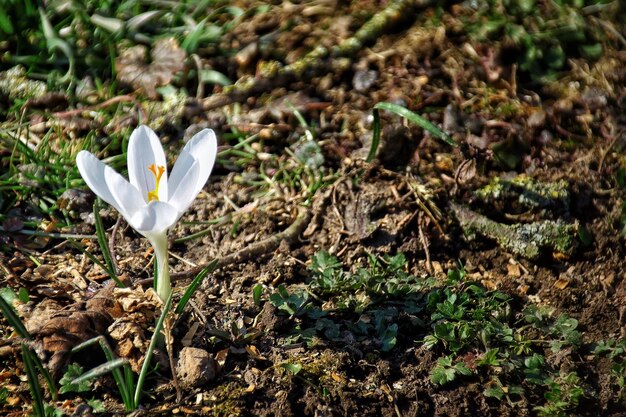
{"x":46,"y":376}
{"x":99,"y":340}
{"x":193,"y":236}
{"x":100,"y":370}
{"x":55,"y":43}
{"x":20,"y":329}
{"x":101,"y":235}
{"x":214,"y":77}
{"x":191,"y":41}
{"x":102,"y":240}
{"x":153,"y":341}
{"x":14,"y":320}
{"x":128,"y":380}
{"x":418,"y":120}
{"x":136,"y":22}
{"x":191,"y":289}
{"x":375,"y":136}
{"x":5,"y":22}
{"x":39,"y":408}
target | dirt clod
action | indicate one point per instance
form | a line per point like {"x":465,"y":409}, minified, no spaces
{"x":195,"y":367}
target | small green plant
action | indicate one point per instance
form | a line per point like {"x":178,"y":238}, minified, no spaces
{"x":96,"y":405}
{"x":464,"y":314}
{"x":563,"y":395}
{"x":366,"y":303}
{"x":465,"y":317}
{"x":446,"y":370}
{"x":72,"y":372}
{"x":291,"y":303}
{"x":615,"y":350}
{"x":124,"y":379}
{"x":496,"y":390}
{"x":382,"y":279}
{"x":541,"y":42}
{"x":563,"y":329}
{"x":534,"y":369}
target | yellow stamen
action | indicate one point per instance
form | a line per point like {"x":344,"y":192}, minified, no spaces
{"x":157,"y":171}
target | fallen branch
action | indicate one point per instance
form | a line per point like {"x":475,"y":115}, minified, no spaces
{"x":107,"y":103}
{"x":528,"y":240}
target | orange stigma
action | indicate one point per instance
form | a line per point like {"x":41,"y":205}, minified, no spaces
{"x":157,"y":171}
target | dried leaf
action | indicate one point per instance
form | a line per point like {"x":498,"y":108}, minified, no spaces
{"x":254,"y":352}
{"x":514,"y":270}
{"x":130,"y":334}
{"x":220,"y":358}
{"x":337,"y":378}
{"x":167,"y":59}
{"x":136,"y":300}
{"x":561,"y":283}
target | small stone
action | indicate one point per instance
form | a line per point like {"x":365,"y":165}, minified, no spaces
{"x":75,"y":201}
{"x":195,"y":367}
{"x":537,"y":119}
{"x":363,"y":80}
{"x":595,"y":98}
{"x":83,"y":410}
{"x":451,"y":119}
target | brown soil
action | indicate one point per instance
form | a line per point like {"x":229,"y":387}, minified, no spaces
{"x":554,"y":132}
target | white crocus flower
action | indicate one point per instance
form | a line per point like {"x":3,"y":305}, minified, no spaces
{"x":151,"y":203}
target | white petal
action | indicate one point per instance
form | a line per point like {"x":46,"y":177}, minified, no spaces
{"x":188,"y":186}
{"x":144,"y":149}
{"x":94,"y":172}
{"x":127,"y":197}
{"x":183,"y":163}
{"x":202,"y":148}
{"x":156,"y":217}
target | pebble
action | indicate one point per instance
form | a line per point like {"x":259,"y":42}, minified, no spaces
{"x":363,"y":80}
{"x":195,"y":367}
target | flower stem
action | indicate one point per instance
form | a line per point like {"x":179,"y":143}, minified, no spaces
{"x":163,"y":284}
